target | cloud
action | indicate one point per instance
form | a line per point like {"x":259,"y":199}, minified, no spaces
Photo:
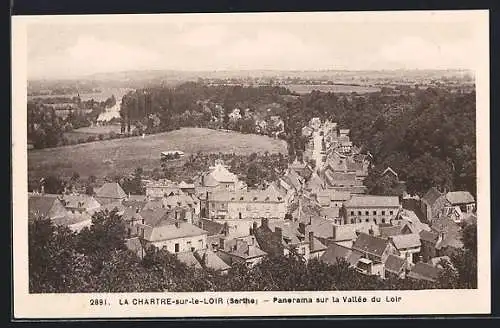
{"x":273,"y":50}
{"x":92,"y":55}
{"x":415,"y":52}
{"x":204,"y":36}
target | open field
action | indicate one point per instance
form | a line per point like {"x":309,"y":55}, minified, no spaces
{"x":121,"y":156}
{"x":94,"y":131}
{"x":337,"y":88}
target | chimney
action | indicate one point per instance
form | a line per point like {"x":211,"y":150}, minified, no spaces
{"x":311,"y":241}
{"x":302,"y":228}
{"x":265,"y":222}
{"x":222,"y":243}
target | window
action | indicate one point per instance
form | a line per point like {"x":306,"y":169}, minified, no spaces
{"x":367,"y":213}
{"x":383,"y":220}
{"x":367,"y":220}
{"x":375,"y":221}
{"x":352,"y":212}
{"x":374,"y":212}
{"x":176,"y":247}
{"x":391,"y":212}
{"x":352,"y":220}
{"x":189,"y":245}
{"x":383,"y":212}
{"x":359,"y":212}
{"x":200,"y":242}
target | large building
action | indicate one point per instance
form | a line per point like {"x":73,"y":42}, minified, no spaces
{"x":245,"y":204}
{"x":371,"y":209}
{"x":219,"y":178}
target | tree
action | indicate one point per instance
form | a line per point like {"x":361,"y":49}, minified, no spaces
{"x":106,"y":234}
{"x":54,"y":265}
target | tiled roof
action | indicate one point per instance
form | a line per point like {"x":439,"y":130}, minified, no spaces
{"x":71,"y":219}
{"x":178,"y":200}
{"x":334,"y":195}
{"x":322,"y":228}
{"x":431,"y":196}
{"x":330,"y":212}
{"x":81,"y":201}
{"x":372,"y":201}
{"x":424,"y":271}
{"x":354,"y":257}
{"x":386,"y":231}
{"x":429,"y":236}
{"x":242,"y":249}
{"x":111,"y":190}
{"x":212,"y":227}
{"x":41,"y":205}
{"x":189,"y":259}
{"x":394,"y":264}
{"x":459,"y":197}
{"x":370,"y":244}
{"x":406,"y":241}
{"x":334,"y":253}
{"x":247,"y":196}
{"x":211,"y":260}
{"x":171,"y":231}
{"x":317,"y":245}
{"x":153,"y":217}
{"x":112,"y":206}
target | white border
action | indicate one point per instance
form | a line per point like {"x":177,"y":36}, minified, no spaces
{"x":413,"y":302}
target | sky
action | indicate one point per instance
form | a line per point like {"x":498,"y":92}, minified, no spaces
{"x":63,"y":47}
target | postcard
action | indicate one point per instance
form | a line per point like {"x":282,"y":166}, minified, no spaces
{"x":251,"y":164}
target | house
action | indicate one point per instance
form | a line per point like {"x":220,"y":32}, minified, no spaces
{"x":241,"y":251}
{"x":190,"y":204}
{"x":432,"y":203}
{"x":175,"y":236}
{"x":187,"y":188}
{"x":459,"y":205}
{"x":395,"y":266}
{"x":315,"y":184}
{"x":45,"y":205}
{"x":410,"y":219}
{"x":454,"y":204}
{"x":449,"y":236}
{"x":386,"y":231}
{"x":74,"y":221}
{"x":189,"y":259}
{"x":375,"y":251}
{"x":370,"y":208}
{"x":208,"y":259}
{"x":110,"y":192}
{"x":246,"y":204}
{"x":424,"y":271}
{"x":219,"y":178}
{"x":288,"y":236}
{"x":428,"y":240}
{"x":80,"y":203}
{"x":336,"y":253}
{"x":332,"y":198}
{"x":160,"y":188}
{"x":407,"y":245}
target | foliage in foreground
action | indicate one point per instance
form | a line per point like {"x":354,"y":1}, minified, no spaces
{"x":96,"y":260}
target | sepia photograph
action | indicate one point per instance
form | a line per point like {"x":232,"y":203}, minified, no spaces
{"x":310,"y":157}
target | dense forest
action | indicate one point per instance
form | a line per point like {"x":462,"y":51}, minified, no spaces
{"x":97,"y":260}
{"x":426,"y":135}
